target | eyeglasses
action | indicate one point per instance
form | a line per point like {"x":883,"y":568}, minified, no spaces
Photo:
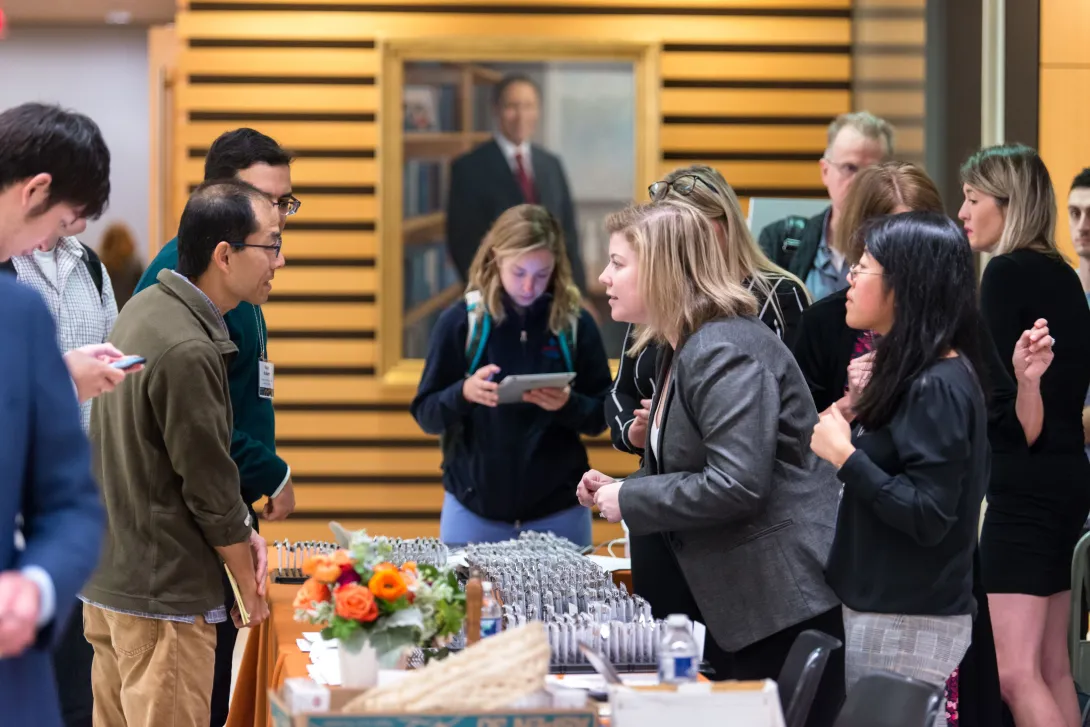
{"x":683,"y":185}
{"x":288,"y":205}
{"x":854,"y":272}
{"x":275,"y":247}
{"x":846,"y":168}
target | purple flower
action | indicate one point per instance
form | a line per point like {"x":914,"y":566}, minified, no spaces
{"x":348,"y":576}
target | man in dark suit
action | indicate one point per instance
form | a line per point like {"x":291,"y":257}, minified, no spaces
{"x":506,"y":172}
{"x":54,"y":172}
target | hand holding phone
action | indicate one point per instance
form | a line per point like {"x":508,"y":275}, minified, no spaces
{"x":127,"y":362}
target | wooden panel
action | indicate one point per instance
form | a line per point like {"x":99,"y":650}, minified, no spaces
{"x":312,"y":352}
{"x":879,"y":68}
{"x":282,"y":62}
{"x":759,"y":174}
{"x":887,"y":31}
{"x":279,"y":97}
{"x":339,"y":207}
{"x":326,"y":281}
{"x":892,"y":103}
{"x":353,"y":26}
{"x":368,"y":498}
{"x":685,"y":137}
{"x":306,"y":171}
{"x":291,"y":134}
{"x":322,"y":244}
{"x":726,"y":102}
{"x":311,"y":389}
{"x":1064,"y":25}
{"x":349,"y":425}
{"x":757,"y":66}
{"x":1065,"y":143}
{"x":298,"y":529}
{"x":712,"y":5}
{"x":320,"y":316}
{"x":422,"y":460}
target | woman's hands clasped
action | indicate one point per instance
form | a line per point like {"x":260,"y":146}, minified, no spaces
{"x":603,"y":491}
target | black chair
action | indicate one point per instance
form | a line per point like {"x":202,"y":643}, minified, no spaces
{"x":801,"y":674}
{"x":890,"y":700}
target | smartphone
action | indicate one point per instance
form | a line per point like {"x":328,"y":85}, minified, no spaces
{"x":127,"y":362}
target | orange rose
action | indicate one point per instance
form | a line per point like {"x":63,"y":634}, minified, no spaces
{"x":356,"y":603}
{"x":311,"y":564}
{"x":311,"y":591}
{"x":410,"y":566}
{"x":341,"y":558}
{"x":387,"y":585}
{"x":385,"y":567}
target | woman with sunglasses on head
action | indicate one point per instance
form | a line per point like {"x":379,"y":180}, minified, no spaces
{"x":915,"y":470}
{"x":781,"y":299}
{"x":1039,"y":495}
{"x":729,"y":483}
{"x":508,"y":468}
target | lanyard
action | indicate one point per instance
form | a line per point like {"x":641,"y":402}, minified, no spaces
{"x":259,"y":319}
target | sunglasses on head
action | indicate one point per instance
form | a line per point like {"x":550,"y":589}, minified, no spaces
{"x":683,"y":185}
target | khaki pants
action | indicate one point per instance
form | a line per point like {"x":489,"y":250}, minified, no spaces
{"x":150,"y":673}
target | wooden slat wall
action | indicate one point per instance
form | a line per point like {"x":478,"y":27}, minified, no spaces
{"x":1064,"y":104}
{"x":747,"y":85}
{"x":889,"y":68}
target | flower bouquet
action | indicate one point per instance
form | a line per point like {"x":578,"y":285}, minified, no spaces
{"x":377,"y":610}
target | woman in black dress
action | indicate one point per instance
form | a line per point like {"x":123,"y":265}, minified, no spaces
{"x":781,"y":299}
{"x":1039,"y":493}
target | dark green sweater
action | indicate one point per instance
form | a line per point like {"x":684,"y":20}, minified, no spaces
{"x":253,"y":438}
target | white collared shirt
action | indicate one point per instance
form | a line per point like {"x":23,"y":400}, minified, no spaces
{"x":509,"y":150}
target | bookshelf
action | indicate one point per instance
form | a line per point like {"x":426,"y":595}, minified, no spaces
{"x":447,"y":112}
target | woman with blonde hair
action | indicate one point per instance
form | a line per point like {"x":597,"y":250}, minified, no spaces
{"x":508,"y":467}
{"x":781,"y":299}
{"x":118,"y":253}
{"x":729,"y":481}
{"x":1038,"y":496}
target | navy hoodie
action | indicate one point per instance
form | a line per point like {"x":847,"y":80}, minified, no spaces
{"x":514,"y":462}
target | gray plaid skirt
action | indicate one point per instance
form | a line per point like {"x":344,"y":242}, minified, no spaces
{"x":927,"y":648}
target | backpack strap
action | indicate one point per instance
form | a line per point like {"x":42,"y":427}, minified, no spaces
{"x":567,"y":340}
{"x":792,"y":239}
{"x":94,"y":267}
{"x":480,"y":325}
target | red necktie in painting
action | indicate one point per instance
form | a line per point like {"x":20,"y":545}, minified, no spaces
{"x":525,"y":183}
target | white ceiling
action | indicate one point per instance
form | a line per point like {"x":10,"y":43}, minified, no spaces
{"x":83,"y":12}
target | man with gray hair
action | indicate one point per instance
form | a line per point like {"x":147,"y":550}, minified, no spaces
{"x":805,"y":246}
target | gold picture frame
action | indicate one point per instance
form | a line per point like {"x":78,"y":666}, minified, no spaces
{"x":394,"y":369}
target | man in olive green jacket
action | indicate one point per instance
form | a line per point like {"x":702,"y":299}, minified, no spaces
{"x":162,"y":450}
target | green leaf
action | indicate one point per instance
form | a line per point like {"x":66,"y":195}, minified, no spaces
{"x":390,"y":643}
{"x":406,"y":618}
{"x":327,"y":634}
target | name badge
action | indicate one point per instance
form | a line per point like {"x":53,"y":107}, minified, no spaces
{"x":265,"y":379}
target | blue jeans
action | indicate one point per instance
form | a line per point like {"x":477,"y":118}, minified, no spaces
{"x":459,"y":526}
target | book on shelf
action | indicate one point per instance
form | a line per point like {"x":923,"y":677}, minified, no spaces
{"x":424,"y":186}
{"x":428,"y":271}
{"x":430,"y":108}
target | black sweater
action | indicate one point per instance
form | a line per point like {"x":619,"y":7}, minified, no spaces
{"x":907,"y":526}
{"x":515,"y":461}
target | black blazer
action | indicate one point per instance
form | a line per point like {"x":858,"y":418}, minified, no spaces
{"x":799,"y":260}
{"x":482,"y":187}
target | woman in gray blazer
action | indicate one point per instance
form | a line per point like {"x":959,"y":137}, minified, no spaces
{"x":729,"y":480}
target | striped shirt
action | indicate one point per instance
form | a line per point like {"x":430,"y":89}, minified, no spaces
{"x":636,"y":375}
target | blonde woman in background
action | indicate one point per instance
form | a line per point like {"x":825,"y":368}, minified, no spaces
{"x":118,"y":253}
{"x":1039,"y":492}
{"x":509,"y":468}
{"x":781,"y":300}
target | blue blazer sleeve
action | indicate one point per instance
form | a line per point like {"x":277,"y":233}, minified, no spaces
{"x":63,"y":517}
{"x":439,"y":403}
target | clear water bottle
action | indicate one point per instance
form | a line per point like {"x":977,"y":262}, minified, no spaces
{"x":678,"y":656}
{"x":491,"y":614}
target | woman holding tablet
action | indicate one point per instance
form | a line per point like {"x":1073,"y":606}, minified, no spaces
{"x":508,"y":467}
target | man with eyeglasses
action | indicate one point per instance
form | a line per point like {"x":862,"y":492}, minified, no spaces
{"x":805,"y":246}
{"x":259,"y":160}
{"x":170,"y":487}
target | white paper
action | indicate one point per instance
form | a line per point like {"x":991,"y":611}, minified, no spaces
{"x":610,"y":564}
{"x":303,"y":644}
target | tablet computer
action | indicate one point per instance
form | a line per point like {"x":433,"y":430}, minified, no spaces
{"x":513,"y":387}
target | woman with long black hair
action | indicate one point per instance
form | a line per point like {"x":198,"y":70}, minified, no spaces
{"x":915,"y":469}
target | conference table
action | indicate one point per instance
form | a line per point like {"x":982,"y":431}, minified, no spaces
{"x":272,"y":655}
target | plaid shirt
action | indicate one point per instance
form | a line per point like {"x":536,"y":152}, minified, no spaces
{"x":83,"y":317}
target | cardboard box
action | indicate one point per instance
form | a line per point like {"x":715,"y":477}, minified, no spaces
{"x":727,"y":704}
{"x":338,"y":698}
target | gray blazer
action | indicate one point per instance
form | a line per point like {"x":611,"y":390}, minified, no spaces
{"x":747,"y":508}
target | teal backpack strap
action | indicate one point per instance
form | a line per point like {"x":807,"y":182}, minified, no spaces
{"x":480,"y":325}
{"x":567,"y":339}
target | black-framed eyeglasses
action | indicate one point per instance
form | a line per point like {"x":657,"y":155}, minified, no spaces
{"x":683,"y":185}
{"x":846,"y":168}
{"x":274,"y":247}
{"x":288,"y":205}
